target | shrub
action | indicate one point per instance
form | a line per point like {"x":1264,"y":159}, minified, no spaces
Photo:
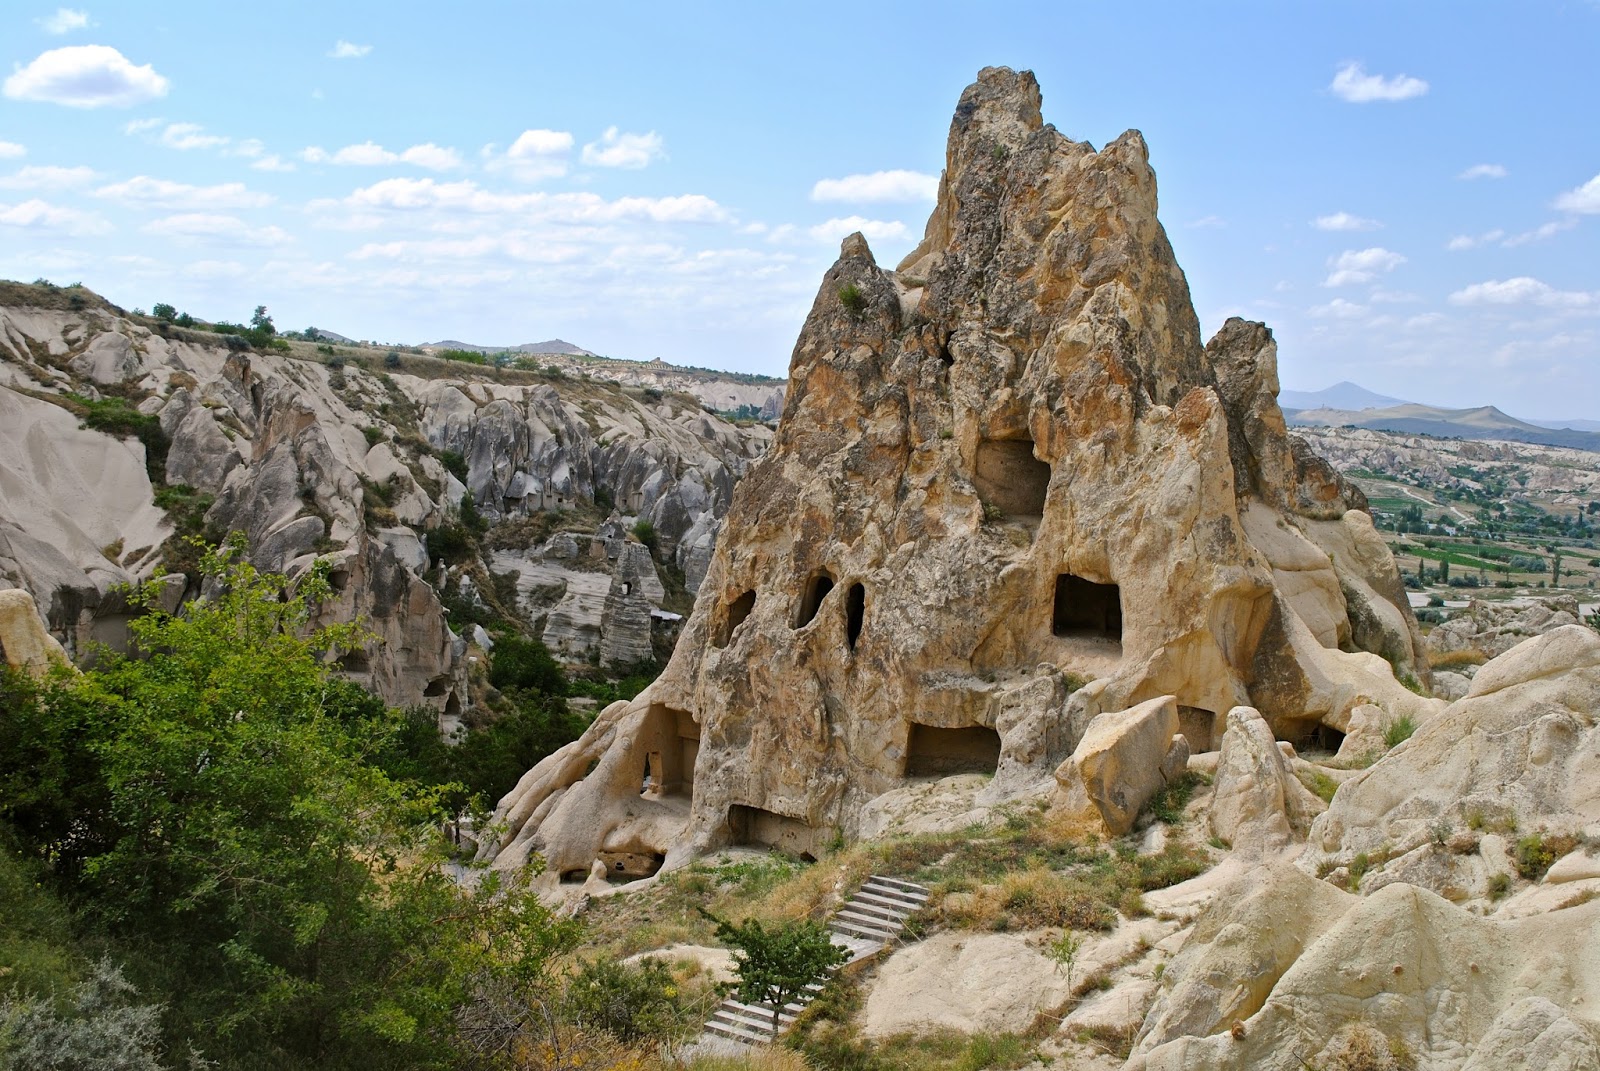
{"x":520,"y":662}
{"x":631,"y":1002}
{"x":391,"y":359}
{"x":115,"y":416}
{"x":449,"y":542}
{"x":463,"y":356}
{"x":162,"y":311}
{"x":1538,"y":850}
{"x":1399,"y":730}
{"x":454,"y":464}
{"x":853,"y":299}
{"x":645,"y":532}
{"x":1499,"y":885}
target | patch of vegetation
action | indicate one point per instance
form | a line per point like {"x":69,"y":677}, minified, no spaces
{"x":115,"y":416}
{"x":1536,"y":852}
{"x":463,"y":356}
{"x":645,"y":532}
{"x":1320,"y":784}
{"x":1399,"y":730}
{"x":454,"y":464}
{"x":1168,"y":804}
{"x":854,"y":300}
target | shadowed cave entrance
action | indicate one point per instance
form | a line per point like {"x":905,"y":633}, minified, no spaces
{"x":738,"y":610}
{"x":817,"y":589}
{"x":1084,"y":608}
{"x":1009,"y":478}
{"x":855,"y":612}
{"x":1199,"y":726}
{"x":753,"y":827}
{"x":670,"y":741}
{"x":935,"y":752}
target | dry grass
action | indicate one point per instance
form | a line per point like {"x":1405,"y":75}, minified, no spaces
{"x":1448,"y":660}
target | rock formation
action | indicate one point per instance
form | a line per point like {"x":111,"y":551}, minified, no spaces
{"x":24,"y":643}
{"x":346,"y":464}
{"x":1006,"y":468}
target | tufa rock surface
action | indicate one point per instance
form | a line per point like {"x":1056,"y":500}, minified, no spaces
{"x":1006,"y":467}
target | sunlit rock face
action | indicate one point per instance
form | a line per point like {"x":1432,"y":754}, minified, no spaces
{"x":1004,"y":468}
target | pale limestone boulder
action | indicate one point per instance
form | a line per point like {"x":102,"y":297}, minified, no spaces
{"x":1420,"y":973}
{"x":967,"y":982}
{"x":1259,"y":925}
{"x":1450,"y":686}
{"x":1119,"y":764}
{"x":1535,"y":1035}
{"x":1363,"y":735}
{"x":24,"y":642}
{"x":200,"y":456}
{"x":1258,"y":805}
{"x":1581,"y":865}
{"x":1522,"y":746}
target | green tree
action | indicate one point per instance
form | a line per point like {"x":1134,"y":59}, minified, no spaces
{"x":162,"y":311}
{"x":260,"y":321}
{"x":776,"y":965}
{"x":212,"y":805}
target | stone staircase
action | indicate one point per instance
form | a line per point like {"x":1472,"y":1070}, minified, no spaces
{"x":872,"y":918}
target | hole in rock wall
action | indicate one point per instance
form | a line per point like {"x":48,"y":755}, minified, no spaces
{"x":735,"y":616}
{"x":1198,"y":726}
{"x":1009,"y":478}
{"x":754,"y":827}
{"x":1307,"y":734}
{"x":670,"y":740}
{"x":1084,"y":608}
{"x":623,"y":867}
{"x":817,"y":589}
{"x":339,"y":579}
{"x":356,"y":662}
{"x":437,"y":687}
{"x":855,"y":613}
{"x":452,"y":707}
{"x":574,"y":877}
{"x":935,"y":752}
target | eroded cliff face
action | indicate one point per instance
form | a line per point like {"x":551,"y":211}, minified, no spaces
{"x":343,"y":464}
{"x":1005,"y":468}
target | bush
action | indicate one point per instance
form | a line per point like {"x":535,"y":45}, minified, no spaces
{"x":1399,"y":730}
{"x":464,"y":356}
{"x":451,"y":543}
{"x":98,"y":1027}
{"x":391,"y":359}
{"x":454,"y":464}
{"x":633,"y":1003}
{"x":853,"y":299}
{"x":520,"y":662}
{"x":1538,"y":850}
{"x":162,"y":311}
{"x":645,"y":532}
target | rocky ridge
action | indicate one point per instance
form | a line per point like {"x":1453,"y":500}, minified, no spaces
{"x":339,"y":462}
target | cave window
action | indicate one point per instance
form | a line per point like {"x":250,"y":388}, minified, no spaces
{"x":855,"y":612}
{"x":627,"y":587}
{"x":738,"y":610}
{"x":437,"y":687}
{"x":1084,"y":608}
{"x":932,"y":751}
{"x":755,"y":827}
{"x":1009,"y":478}
{"x":625,"y":867}
{"x":1198,"y":726}
{"x":817,"y":589}
{"x":356,"y":662}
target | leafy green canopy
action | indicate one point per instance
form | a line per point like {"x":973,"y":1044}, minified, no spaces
{"x":212,"y":809}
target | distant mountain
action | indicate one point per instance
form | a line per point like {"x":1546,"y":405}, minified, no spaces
{"x":1484,"y":422}
{"x":1573,"y":425}
{"x":554,"y":345}
{"x":1345,"y":395}
{"x":324,"y":335}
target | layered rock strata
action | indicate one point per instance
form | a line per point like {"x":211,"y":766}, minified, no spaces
{"x":1006,"y":468}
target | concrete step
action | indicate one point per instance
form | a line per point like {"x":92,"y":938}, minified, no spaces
{"x":909,"y":887}
{"x":738,"y":1033}
{"x":883,"y":905}
{"x":850,"y":914}
{"x":855,"y":929}
{"x":891,"y":897}
{"x":764,"y":1011}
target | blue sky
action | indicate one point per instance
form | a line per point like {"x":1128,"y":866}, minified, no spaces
{"x":1408,"y":193}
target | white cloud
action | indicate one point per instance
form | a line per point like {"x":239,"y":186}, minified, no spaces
{"x":371,"y":154}
{"x":1344,"y":221}
{"x":1355,"y":85}
{"x":48,"y":178}
{"x":190,"y":136}
{"x":343,"y":49}
{"x":65,"y":20}
{"x":43,"y":216}
{"x":139,"y":126}
{"x":86,"y":76}
{"x":425,"y":194}
{"x":1207,"y":222}
{"x":211,"y":227}
{"x":879,"y":186}
{"x":1584,"y":199}
{"x":616,"y":149}
{"x":1473,"y":241}
{"x":271,"y":162}
{"x":1361,"y":265}
{"x":1477,"y":171}
{"x":1523,"y":290}
{"x":1541,"y":232}
{"x":10,"y":150}
{"x":535,"y":155}
{"x":835,"y":230}
{"x":1338,"y":309}
{"x":146,"y":192}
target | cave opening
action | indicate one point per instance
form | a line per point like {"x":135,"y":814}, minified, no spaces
{"x":757,"y":828}
{"x":625,"y":867}
{"x":1198,"y":726}
{"x":855,"y":612}
{"x":933,"y":751}
{"x":817,"y":589}
{"x":1009,"y":478}
{"x":738,"y":610}
{"x":1085,"y":608}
